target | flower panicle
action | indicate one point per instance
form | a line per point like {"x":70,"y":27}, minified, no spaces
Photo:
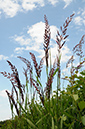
{"x":13,"y":68}
{"x":27,"y":62}
{"x":47,"y":37}
{"x":79,"y":66}
{"x":14,"y":89}
{"x":50,"y":79}
{"x":37,"y":68}
{"x":28,"y":69}
{"x":41,"y":65}
{"x":25,"y":73}
{"x":11,"y":99}
{"x":70,"y":61}
{"x":62,"y":37}
{"x":14,"y":78}
{"x":78,"y":48}
{"x":34,"y":83}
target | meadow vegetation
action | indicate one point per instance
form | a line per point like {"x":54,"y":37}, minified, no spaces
{"x":39,"y":107}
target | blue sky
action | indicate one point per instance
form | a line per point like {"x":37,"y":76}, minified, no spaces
{"x":22,"y":30}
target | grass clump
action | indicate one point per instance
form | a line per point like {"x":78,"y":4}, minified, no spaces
{"x":59,"y":109}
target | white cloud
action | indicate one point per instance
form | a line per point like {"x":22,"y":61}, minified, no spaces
{"x":5,"y":112}
{"x":22,"y":40}
{"x":31,"y":4}
{"x":78,"y":20}
{"x":67,"y":2}
{"x":66,"y":54}
{"x":37,"y":32}
{"x":10,"y":8}
{"x":36,"y":40}
{"x":27,"y":6}
{"x":53,"y":30}
{"x":65,"y":71}
{"x":2,"y":57}
{"x":53,"y":2}
{"x":19,"y":49}
{"x":3,"y":93}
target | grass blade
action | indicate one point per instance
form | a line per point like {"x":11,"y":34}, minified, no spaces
{"x":41,"y":118}
{"x":38,"y":109}
{"x":55,"y":72}
{"x":38,"y":81}
{"x":53,"y":123}
{"x":31,"y":123}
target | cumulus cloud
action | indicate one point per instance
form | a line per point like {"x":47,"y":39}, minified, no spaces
{"x":28,"y":6}
{"x":10,"y":8}
{"x":19,"y":50}
{"x":22,"y":40}
{"x":2,"y":57}
{"x":67,"y":2}
{"x":31,"y":4}
{"x":3,"y":94}
{"x":53,"y":2}
{"x":53,"y":30}
{"x":80,"y":18}
{"x":37,"y":32}
{"x":66,"y":54}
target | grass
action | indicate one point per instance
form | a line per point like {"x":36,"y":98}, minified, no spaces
{"x":48,"y":109}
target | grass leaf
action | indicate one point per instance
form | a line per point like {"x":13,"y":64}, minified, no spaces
{"x":38,"y":81}
{"x":30,"y":123}
{"x":42,"y":118}
{"x":38,"y":109}
{"x":53,"y":123}
{"x":55,"y":72}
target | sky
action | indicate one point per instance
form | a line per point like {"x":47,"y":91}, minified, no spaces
{"x":22,"y":29}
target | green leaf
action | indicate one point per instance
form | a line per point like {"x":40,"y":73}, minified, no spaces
{"x":22,"y":107}
{"x":63,"y":118}
{"x":68,"y":115}
{"x":83,"y":119}
{"x":27,"y":85}
{"x":55,"y":72}
{"x":81,"y":105}
{"x":38,"y":109}
{"x":75,"y":96}
{"x":53,"y":123}
{"x":83,"y":72}
{"x":30,"y":123}
{"x":38,"y":81}
{"x":56,"y":127}
{"x":41,"y":118}
{"x":26,"y":102}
